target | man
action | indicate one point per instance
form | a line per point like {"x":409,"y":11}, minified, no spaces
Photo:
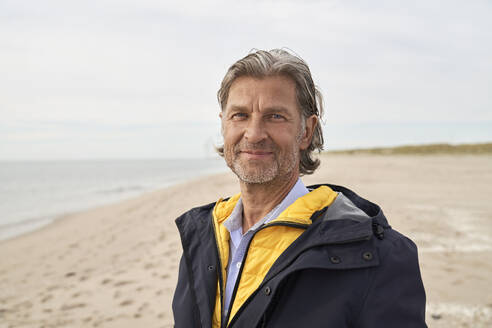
{"x":280,"y":254}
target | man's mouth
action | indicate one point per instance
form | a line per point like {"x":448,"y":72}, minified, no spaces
{"x":256,"y":154}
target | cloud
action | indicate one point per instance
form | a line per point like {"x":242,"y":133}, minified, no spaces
{"x":160,"y":62}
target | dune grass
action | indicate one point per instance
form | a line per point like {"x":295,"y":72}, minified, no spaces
{"x":431,"y":149}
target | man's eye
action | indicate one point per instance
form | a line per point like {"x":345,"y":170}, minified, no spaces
{"x":276,"y":117}
{"x":239,"y":116}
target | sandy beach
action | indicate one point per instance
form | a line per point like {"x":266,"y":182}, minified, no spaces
{"x":116,"y":265}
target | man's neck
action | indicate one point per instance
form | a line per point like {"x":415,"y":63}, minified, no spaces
{"x":259,"y":199}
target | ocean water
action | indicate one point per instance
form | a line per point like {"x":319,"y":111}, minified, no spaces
{"x":34,"y":193}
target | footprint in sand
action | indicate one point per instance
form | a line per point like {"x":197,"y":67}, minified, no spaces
{"x":140,"y":288}
{"x":83,"y":278}
{"x":143,"y":307}
{"x":52,"y":287}
{"x":46,"y":298}
{"x":22,"y":305}
{"x":149,"y":266}
{"x":67,"y":307}
{"x":77,"y":294}
{"x":123,"y":283}
{"x":126,"y":303}
{"x":169,"y":252}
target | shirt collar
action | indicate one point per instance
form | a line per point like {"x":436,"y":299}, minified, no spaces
{"x":234,"y":222}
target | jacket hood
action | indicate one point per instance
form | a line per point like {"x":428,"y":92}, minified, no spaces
{"x":356,"y":206}
{"x":325,"y":202}
{"x":299,"y":212}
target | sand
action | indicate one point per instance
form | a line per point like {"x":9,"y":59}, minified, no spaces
{"x":116,"y":265}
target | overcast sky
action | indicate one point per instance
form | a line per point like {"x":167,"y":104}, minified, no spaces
{"x":138,"y":79}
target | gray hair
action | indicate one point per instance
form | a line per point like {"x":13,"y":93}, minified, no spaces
{"x":260,"y":64}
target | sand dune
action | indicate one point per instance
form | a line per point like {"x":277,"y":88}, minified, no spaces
{"x":116,"y":265}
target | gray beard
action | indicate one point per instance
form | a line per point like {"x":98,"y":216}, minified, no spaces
{"x":257,"y":177}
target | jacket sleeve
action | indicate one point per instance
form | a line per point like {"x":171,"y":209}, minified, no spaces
{"x":396,"y":295}
{"x":185,"y":310}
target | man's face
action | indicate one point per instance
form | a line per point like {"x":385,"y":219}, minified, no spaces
{"x":262,"y":129}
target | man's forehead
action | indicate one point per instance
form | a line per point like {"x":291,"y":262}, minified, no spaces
{"x":271,"y":92}
{"x":256,"y":82}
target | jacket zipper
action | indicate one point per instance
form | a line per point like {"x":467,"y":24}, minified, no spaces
{"x":236,"y":284}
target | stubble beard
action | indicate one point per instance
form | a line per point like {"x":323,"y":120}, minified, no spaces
{"x":280,"y":168}
{"x":257,"y":173}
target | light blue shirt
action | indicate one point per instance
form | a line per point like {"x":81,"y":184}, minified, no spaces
{"x":238,"y":241}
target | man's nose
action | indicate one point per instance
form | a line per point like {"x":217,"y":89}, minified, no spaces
{"x":255,"y":130}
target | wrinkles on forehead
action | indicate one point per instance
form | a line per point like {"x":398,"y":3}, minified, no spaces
{"x":272,"y":94}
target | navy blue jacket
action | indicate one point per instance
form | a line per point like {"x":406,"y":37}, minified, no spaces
{"x":346,"y":270}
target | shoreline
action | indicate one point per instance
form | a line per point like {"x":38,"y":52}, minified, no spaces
{"x":69,"y":214}
{"x":13,"y":230}
{"x":116,"y":265}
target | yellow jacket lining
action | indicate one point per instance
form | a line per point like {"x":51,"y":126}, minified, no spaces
{"x":267,"y":244}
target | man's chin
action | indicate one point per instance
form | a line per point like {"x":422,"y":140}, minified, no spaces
{"x":255,"y":176}
{"x":254,"y":180}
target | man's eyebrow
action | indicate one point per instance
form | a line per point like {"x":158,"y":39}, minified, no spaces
{"x":237,"y":108}
{"x":272,"y":109}
{"x":277,"y":109}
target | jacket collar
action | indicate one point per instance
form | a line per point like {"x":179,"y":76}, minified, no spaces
{"x":343,"y":213}
{"x":299,"y":212}
{"x":348,"y":216}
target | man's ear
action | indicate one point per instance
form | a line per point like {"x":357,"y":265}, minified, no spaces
{"x":307,"y":136}
{"x":220,"y":114}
